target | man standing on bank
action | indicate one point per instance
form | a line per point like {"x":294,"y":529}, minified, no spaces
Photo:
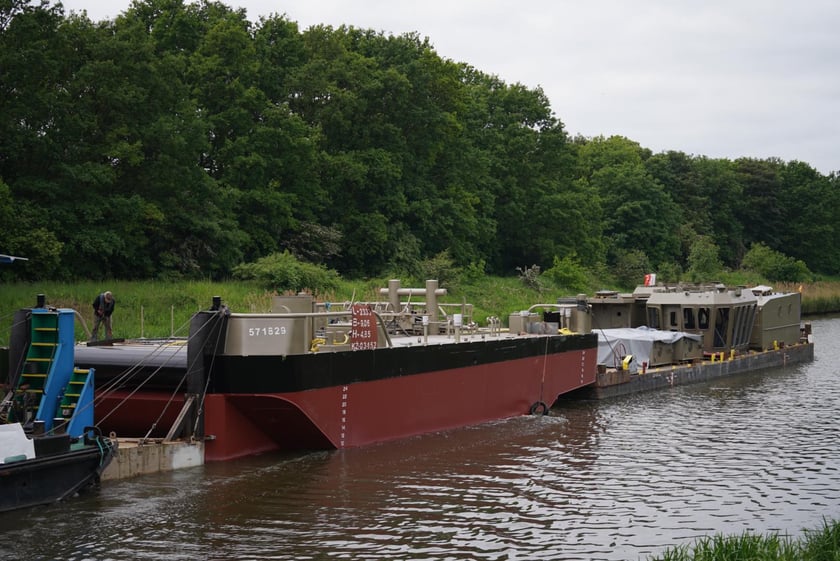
{"x":103,"y":307}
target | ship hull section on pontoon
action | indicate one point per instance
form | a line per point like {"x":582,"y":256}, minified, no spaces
{"x":357,"y":414}
{"x":355,"y":398}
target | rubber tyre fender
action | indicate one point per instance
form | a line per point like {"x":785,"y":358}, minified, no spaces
{"x":539,"y":408}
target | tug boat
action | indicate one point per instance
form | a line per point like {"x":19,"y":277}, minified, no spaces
{"x":49,"y":448}
{"x":47,"y":468}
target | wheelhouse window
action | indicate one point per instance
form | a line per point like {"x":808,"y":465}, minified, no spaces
{"x":688,"y":318}
{"x":703,"y":318}
{"x":737,"y":331}
{"x":653,"y":318}
{"x":721,"y":325}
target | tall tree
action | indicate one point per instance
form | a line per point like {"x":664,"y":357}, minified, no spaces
{"x":761,"y":213}
{"x":709,"y":197}
{"x":723,"y":192}
{"x":30,"y":84}
{"x":638,"y":214}
{"x":811,"y":210}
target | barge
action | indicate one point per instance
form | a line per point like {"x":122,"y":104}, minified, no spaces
{"x":315,"y":375}
{"x":664,"y":336}
{"x":311,"y":375}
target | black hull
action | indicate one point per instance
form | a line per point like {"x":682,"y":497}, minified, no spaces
{"x":41,"y":481}
{"x":276,"y":374}
{"x":279,"y":374}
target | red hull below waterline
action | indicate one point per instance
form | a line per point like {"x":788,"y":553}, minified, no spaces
{"x":368,"y":412}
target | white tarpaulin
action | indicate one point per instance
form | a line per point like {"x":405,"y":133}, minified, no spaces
{"x":615,"y":344}
{"x":13,"y":442}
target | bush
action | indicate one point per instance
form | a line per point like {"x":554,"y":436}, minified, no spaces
{"x":283,"y":272}
{"x":474,"y":272}
{"x":775,"y":266}
{"x":442,"y":268}
{"x":704,"y":263}
{"x":530,"y":277}
{"x":568,"y":273}
{"x":631,"y":268}
{"x":669,"y":272}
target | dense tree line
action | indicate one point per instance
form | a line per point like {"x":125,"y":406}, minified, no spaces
{"x":182,"y":140}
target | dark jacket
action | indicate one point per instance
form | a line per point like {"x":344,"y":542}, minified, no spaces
{"x":100,"y":302}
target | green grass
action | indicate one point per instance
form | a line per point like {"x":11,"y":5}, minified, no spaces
{"x":814,"y":545}
{"x":144,"y":308}
{"x":160,"y":309}
{"x":818,"y":297}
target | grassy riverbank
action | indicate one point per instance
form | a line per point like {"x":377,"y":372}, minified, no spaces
{"x":817,"y":298}
{"x":814,"y":545}
{"x":161,"y":309}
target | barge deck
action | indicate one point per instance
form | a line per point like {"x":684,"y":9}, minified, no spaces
{"x":611,"y":383}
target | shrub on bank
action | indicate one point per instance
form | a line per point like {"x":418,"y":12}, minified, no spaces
{"x":283,"y":272}
{"x":813,"y":545}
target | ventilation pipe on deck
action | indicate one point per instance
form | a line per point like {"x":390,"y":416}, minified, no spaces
{"x":431,"y":299}
{"x":431,"y":292}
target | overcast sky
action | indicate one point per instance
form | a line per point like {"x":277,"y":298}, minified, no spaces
{"x":718,"y":78}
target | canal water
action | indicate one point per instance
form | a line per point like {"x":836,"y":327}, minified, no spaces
{"x":621,"y":479}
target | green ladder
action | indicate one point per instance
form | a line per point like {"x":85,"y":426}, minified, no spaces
{"x":72,"y":394}
{"x":38,"y":362}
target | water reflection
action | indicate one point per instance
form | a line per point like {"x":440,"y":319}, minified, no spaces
{"x":621,"y":479}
